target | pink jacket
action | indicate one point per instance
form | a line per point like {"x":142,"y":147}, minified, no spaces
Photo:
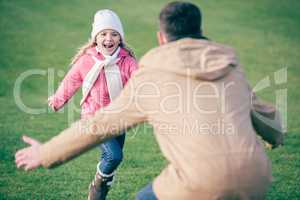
{"x":98,"y":96}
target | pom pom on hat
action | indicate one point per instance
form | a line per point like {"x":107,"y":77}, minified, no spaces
{"x":106,"y":19}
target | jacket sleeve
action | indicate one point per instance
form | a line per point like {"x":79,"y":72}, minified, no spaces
{"x":84,"y":134}
{"x":69,"y":85}
{"x":130,"y":65}
{"x":266,"y":121}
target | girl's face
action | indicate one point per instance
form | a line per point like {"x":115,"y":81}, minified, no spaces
{"x":108,"y":41}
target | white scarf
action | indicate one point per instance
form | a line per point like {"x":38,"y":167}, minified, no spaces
{"x":112,"y":75}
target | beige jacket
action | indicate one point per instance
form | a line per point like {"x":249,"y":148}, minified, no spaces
{"x":195,"y":95}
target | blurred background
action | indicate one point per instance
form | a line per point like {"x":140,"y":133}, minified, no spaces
{"x":44,"y":35}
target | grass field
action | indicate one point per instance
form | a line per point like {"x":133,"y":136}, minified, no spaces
{"x":45,"y":34}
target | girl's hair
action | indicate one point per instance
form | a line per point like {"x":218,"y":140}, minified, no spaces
{"x":127,"y":48}
{"x":82,"y":50}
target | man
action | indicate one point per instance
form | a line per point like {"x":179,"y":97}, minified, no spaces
{"x":195,"y":95}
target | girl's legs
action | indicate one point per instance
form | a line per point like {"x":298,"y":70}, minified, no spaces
{"x":112,"y":155}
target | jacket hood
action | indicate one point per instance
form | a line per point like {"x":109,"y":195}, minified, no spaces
{"x":199,"y":59}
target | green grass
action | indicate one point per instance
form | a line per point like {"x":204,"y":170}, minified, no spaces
{"x":45,"y":34}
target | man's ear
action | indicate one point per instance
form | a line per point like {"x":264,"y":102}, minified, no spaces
{"x":161,"y":38}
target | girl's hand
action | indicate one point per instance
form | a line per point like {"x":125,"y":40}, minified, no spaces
{"x":50,"y":103}
{"x":28,"y":158}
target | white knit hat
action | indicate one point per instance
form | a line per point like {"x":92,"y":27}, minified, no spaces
{"x":106,"y":19}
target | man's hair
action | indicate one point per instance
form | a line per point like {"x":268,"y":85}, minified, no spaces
{"x":180,"y":20}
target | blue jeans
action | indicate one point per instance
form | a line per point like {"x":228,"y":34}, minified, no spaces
{"x":112,"y":154}
{"x":146,"y":193}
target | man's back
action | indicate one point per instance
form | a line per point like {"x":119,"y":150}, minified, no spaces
{"x":198,"y":101}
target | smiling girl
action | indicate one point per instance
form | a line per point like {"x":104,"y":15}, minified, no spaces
{"x":101,"y":67}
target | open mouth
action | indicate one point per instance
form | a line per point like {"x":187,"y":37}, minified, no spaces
{"x":108,"y":46}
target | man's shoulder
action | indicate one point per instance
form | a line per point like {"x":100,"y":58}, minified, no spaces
{"x":158,"y":53}
{"x":174,"y":48}
{"x":164,"y":51}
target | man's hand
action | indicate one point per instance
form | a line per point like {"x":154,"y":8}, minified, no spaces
{"x":28,"y":158}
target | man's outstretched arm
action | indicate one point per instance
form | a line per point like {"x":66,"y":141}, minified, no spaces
{"x":84,"y":134}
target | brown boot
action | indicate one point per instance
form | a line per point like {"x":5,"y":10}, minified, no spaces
{"x":99,"y":187}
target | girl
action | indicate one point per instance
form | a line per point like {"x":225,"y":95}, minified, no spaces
{"x":101,"y":67}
